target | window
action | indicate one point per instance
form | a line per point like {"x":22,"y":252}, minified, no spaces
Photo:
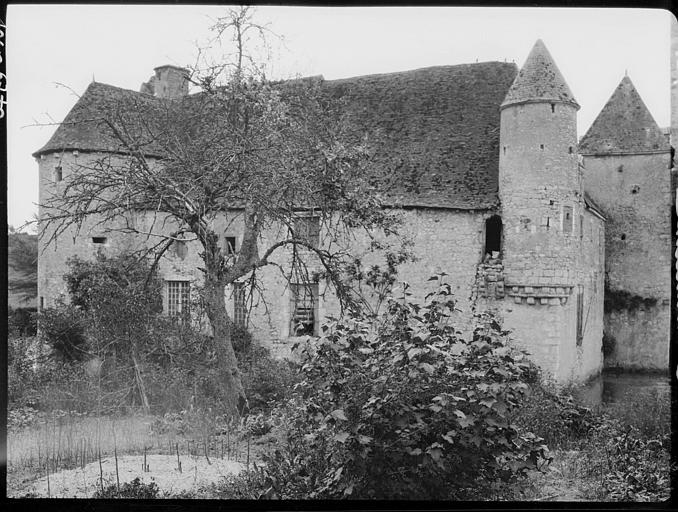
{"x":58,"y":173}
{"x":239,"y":305}
{"x":99,"y":240}
{"x":307,"y":228}
{"x":42,"y":302}
{"x":553,"y":107}
{"x":229,"y":245}
{"x":178,"y":298}
{"x":304,"y":309}
{"x":580,"y":315}
{"x":567,"y":219}
{"x":493,"y":234}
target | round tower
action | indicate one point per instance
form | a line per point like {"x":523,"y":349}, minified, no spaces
{"x":540,"y":184}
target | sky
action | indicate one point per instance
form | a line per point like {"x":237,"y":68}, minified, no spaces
{"x":54,"y":51}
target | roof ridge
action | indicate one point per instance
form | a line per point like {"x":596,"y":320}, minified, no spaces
{"x":426,"y":68}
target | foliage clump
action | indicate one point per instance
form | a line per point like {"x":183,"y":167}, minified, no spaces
{"x":135,"y":489}
{"x":622,"y":300}
{"x":405,"y":408}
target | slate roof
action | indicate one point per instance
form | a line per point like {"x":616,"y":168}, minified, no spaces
{"x":83,"y":128}
{"x":625,"y":125}
{"x":539,"y":80}
{"x":434,"y":131}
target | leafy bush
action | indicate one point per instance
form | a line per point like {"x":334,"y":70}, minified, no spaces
{"x":555,"y":415}
{"x":134,"y":489}
{"x":632,"y":466}
{"x":646,"y":410}
{"x":63,"y":329}
{"x":22,"y":321}
{"x":267,"y":381}
{"x":405,"y":408}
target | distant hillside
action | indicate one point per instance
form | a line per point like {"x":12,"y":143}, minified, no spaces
{"x":22,"y":272}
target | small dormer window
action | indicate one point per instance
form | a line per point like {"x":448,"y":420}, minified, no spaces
{"x":58,"y":174}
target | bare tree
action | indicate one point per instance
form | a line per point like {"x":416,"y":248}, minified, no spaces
{"x":264,"y":150}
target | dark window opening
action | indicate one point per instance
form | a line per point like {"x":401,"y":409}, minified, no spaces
{"x":98,"y":239}
{"x":229,"y":245}
{"x":493,"y":228}
{"x":569,"y":150}
{"x":580,"y":315}
{"x":635,"y":189}
{"x":304,"y":309}
{"x":504,"y":149}
{"x":541,"y":146}
{"x":673,"y":154}
{"x":553,"y":107}
{"x":623,"y":237}
{"x":620,"y":168}
{"x":42,"y":302}
{"x":58,"y":173}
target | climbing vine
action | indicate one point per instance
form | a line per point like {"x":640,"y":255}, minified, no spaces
{"x":619,"y":300}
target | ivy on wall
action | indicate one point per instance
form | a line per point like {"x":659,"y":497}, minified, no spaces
{"x":620,"y":300}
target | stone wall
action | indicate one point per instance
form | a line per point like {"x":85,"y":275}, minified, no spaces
{"x":552,"y":250}
{"x":635,"y":194}
{"x":443,"y":241}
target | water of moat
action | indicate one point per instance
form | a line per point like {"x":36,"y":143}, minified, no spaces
{"x":614,"y":386}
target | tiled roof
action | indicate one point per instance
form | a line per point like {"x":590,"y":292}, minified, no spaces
{"x":625,"y":125}
{"x":539,"y":80}
{"x":84,"y":128}
{"x":434,"y":131}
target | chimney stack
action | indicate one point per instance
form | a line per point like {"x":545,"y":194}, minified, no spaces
{"x":169,"y":82}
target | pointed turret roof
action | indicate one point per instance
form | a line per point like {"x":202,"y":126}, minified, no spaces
{"x":539,"y":80}
{"x":625,"y":125}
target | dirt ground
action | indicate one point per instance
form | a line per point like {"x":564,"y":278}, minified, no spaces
{"x":163,"y":470}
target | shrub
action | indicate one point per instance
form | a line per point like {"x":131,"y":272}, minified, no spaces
{"x":632,"y":466}
{"x":267,"y":381}
{"x":63,"y":329}
{"x":405,"y":408}
{"x":555,"y":415}
{"x":134,"y":489}
{"x":22,"y":321}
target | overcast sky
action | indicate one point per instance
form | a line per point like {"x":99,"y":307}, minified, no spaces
{"x":120,"y":45}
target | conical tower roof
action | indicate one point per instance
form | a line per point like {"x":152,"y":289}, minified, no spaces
{"x":625,"y":125}
{"x":539,"y":80}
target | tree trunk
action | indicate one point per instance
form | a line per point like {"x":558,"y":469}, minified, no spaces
{"x":140,"y":382}
{"x":235,"y":401}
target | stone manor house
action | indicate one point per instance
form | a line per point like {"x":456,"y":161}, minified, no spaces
{"x":565,"y":240}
